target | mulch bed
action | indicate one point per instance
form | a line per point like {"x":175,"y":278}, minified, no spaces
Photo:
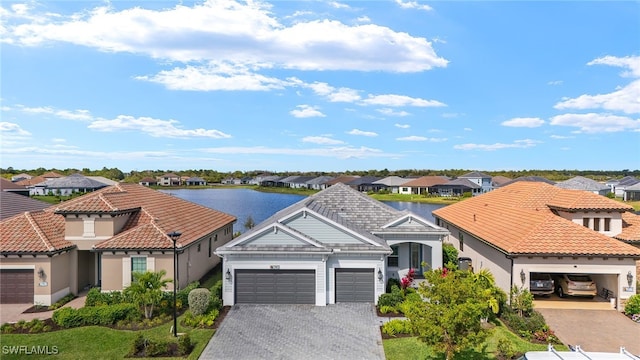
{"x":36,"y":309}
{"x":223,"y":313}
{"x":391,"y":314}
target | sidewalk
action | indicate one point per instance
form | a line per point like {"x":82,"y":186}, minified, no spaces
{"x":11,"y":313}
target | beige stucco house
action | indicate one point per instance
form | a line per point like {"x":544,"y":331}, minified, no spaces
{"x":100,"y":238}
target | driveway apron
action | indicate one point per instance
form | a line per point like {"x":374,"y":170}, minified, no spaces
{"x":594,"y":330}
{"x":341,"y":331}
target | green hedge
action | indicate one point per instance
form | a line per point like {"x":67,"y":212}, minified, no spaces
{"x":95,"y":315}
{"x":632,"y":306}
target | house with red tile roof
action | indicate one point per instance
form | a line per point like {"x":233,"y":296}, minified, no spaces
{"x":534,"y":227}
{"x":100,"y":238}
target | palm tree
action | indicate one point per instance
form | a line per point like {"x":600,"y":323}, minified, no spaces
{"x":146,"y":290}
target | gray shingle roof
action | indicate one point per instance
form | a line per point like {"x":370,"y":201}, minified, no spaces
{"x":74,"y":181}
{"x":13,"y":204}
{"x":582,"y":183}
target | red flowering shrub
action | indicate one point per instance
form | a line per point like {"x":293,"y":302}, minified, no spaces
{"x":406,"y":281}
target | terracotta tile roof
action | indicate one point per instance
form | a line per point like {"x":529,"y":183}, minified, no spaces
{"x":426,"y":181}
{"x":39,"y":179}
{"x":517,"y":220}
{"x":153,"y":215}
{"x":33,"y":232}
{"x":630,"y":228}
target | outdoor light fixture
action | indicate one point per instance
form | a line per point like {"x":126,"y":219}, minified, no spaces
{"x":629,"y":278}
{"x":41,"y":274}
{"x":175,"y":235}
{"x":523,"y":276}
{"x":379,"y":274}
{"x":227,"y":275}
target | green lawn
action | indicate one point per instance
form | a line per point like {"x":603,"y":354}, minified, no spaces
{"x":410,"y":348}
{"x":96,"y":342}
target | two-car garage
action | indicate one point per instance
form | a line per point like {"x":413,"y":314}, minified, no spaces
{"x":276,"y":286}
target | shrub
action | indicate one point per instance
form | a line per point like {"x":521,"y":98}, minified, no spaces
{"x":200,"y":321}
{"x":215,"y":303}
{"x":391,"y":299}
{"x":526,"y":326}
{"x":95,"y":297}
{"x":449,"y":254}
{"x":184,"y":344}
{"x":67,"y":318}
{"x":632,"y":306}
{"x":391,"y":282}
{"x":397,"y":326}
{"x":95,"y":315}
{"x":6,"y":328}
{"x":216,"y":289}
{"x":505,"y":348}
{"x":58,"y":304}
{"x":199,"y":300}
{"x":182,"y":295}
{"x":521,"y":300}
{"x":388,"y":309}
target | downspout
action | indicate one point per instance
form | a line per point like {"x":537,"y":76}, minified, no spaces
{"x":511,"y":273}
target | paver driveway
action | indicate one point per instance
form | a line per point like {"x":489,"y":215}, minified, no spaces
{"x":341,"y":331}
{"x":594,"y":330}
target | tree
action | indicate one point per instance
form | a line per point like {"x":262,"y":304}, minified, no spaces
{"x":146,"y":290}
{"x":450,"y":319}
{"x":249,"y":223}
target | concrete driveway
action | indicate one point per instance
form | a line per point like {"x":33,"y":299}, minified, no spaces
{"x":341,"y":331}
{"x":594,"y":330}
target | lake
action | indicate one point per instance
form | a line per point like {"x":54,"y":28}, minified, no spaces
{"x":243,"y":203}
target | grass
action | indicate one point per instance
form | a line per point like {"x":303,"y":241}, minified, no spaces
{"x":410,"y":348}
{"x":445,"y":200}
{"x":96,"y":342}
{"x":635,"y":204}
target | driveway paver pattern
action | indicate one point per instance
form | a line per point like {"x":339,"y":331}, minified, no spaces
{"x":341,"y":331}
{"x":594,"y":330}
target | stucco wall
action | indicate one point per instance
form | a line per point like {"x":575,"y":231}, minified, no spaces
{"x":56,"y":272}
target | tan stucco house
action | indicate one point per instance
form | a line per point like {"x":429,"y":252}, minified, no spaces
{"x":100,"y":238}
{"x":535,"y":227}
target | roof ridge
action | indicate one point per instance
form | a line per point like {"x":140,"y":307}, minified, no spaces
{"x":39,"y":231}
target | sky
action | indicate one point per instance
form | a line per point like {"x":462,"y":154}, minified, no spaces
{"x":320,"y":85}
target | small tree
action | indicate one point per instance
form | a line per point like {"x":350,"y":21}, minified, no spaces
{"x":450,"y":318}
{"x":521,"y":300}
{"x":249,"y":223}
{"x":146,"y":290}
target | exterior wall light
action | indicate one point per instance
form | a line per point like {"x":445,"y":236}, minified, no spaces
{"x":523,"y":276}
{"x":629,"y":278}
{"x":227,"y":275}
{"x":379,"y":274}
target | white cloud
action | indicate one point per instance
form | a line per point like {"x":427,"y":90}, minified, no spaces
{"x":362,"y":133}
{"x":524,"y":122}
{"x":402,"y":126}
{"x":331,"y":93}
{"x":306,"y":111}
{"x":593,"y":123}
{"x":555,"y":82}
{"x":338,"y":5}
{"x":518,"y":144}
{"x":561,"y":137}
{"x":79,"y":115}
{"x":342,"y":152}
{"x":631,"y":63}
{"x":154,"y":127}
{"x":322,"y":140}
{"x":451,"y":115}
{"x":625,"y":99}
{"x":229,"y":31}
{"x":58,"y":140}
{"x":413,"y":5}
{"x":467,"y":129}
{"x":420,"y":138}
{"x":391,"y":112}
{"x":12,"y":130}
{"x":363,"y":19}
{"x":400,"y":100}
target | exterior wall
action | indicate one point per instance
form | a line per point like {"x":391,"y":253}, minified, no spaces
{"x":482,"y":256}
{"x":111,"y":272}
{"x":431,"y":254}
{"x":615,"y":225}
{"x":283,"y":262}
{"x":55,"y":283}
{"x":607,"y":272}
{"x":354,"y":262}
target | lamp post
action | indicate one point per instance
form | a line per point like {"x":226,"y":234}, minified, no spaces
{"x":175,"y":235}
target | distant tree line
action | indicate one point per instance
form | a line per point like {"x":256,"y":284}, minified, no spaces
{"x":213,"y":176}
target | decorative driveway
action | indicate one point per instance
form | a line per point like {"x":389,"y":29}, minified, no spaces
{"x":594,"y":330}
{"x":341,"y":331}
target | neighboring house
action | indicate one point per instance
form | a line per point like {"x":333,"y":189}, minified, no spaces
{"x":148,"y":181}
{"x":8,"y":186}
{"x":457,"y":187}
{"x":14,"y":204}
{"x":33,"y":184}
{"x":632,"y":193}
{"x":498,"y":181}
{"x":618,"y":186}
{"x":286,"y":181}
{"x":365,"y":183}
{"x":103,"y":180}
{"x":391,"y":183}
{"x":319,"y":183}
{"x":232,"y":181}
{"x":64,"y":186}
{"x":345,"y":179}
{"x":195,"y":181}
{"x":534,"y":227}
{"x":422,"y":185}
{"x":584,"y":184}
{"x":169,"y":179}
{"x":338,"y":245}
{"x":271,"y":180}
{"x":481,"y":179}
{"x":100,"y":238}
{"x":300,"y":182}
{"x":529,"y":179}
{"x":20,"y":177}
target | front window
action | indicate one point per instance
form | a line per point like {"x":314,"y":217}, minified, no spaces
{"x":596,"y":224}
{"x":607,"y":224}
{"x":392,"y":260}
{"x":138,"y":264}
{"x":585,"y":222}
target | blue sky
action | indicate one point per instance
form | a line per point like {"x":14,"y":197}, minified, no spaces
{"x":320,"y":85}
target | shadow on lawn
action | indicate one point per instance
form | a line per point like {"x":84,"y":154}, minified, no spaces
{"x":465,"y":355}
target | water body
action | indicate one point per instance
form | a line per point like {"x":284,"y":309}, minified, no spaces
{"x":243,"y":203}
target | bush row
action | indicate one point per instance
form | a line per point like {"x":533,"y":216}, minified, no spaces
{"x":145,"y":347}
{"x":33,"y":326}
{"x":397,"y":326}
{"x":95,"y":315}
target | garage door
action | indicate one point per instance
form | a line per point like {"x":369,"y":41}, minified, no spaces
{"x":16,"y":286}
{"x":275,"y":286}
{"x":354,"y":285}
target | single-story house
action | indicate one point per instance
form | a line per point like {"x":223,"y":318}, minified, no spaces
{"x":101,"y":238}
{"x":584,"y":184}
{"x":319,"y":183}
{"x":148,"y":181}
{"x":8,"y":186}
{"x":632,"y":193}
{"x":365,"y":183}
{"x":422,"y":185}
{"x":458,"y":187}
{"x":20,"y":177}
{"x":195,"y":181}
{"x":338,"y":245}
{"x":344,"y":179}
{"x":618,"y":186}
{"x":534,"y":227}
{"x":67,"y":185}
{"x":391,"y":183}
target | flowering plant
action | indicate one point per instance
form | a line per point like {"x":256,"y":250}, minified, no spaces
{"x":406,"y":281}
